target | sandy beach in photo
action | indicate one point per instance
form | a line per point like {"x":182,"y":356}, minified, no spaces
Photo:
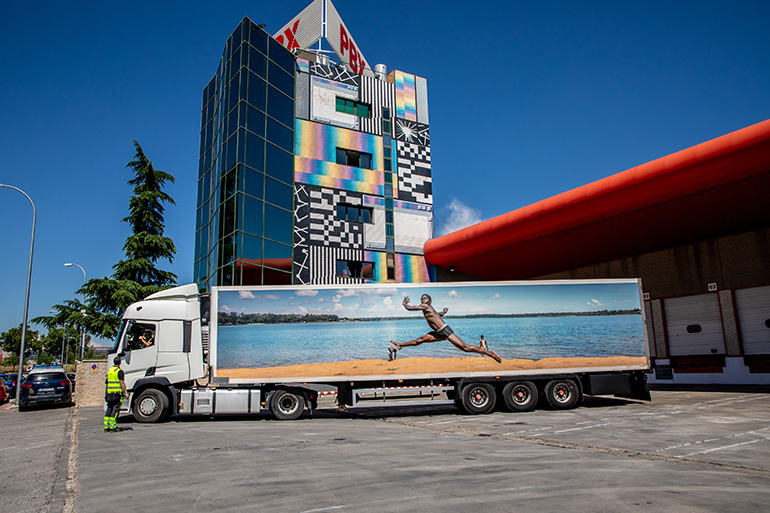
{"x":402,"y":366}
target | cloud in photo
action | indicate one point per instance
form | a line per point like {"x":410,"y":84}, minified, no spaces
{"x":595,"y":302}
{"x":457,"y":216}
{"x":307,"y":292}
{"x":245,"y":294}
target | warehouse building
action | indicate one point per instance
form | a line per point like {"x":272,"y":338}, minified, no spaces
{"x":694,"y":226}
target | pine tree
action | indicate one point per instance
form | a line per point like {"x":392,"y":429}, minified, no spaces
{"x":136,"y":276}
{"x":147,"y":245}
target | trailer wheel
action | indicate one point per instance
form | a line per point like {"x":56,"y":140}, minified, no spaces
{"x":520,"y":395}
{"x":478,"y":398}
{"x":287,"y":405}
{"x":562,"y":394}
{"x":150,"y":406}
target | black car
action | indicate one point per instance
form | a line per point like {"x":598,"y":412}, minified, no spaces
{"x":46,"y":387}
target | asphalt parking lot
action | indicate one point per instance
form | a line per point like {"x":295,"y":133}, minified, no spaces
{"x":690,"y":450}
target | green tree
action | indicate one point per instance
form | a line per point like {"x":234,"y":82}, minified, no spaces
{"x":11,"y":343}
{"x":136,"y":276}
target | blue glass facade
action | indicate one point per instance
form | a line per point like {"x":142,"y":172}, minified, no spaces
{"x":246,"y":165}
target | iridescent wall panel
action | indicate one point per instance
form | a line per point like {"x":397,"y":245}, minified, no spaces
{"x":406,"y":96}
{"x":413,"y":269}
{"x":337,"y":176}
{"x":320,"y":142}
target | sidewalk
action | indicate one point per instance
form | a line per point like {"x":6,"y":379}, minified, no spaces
{"x":34,"y":446}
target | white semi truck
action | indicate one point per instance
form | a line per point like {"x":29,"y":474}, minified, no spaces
{"x":244,"y":350}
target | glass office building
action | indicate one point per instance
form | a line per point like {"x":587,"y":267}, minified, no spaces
{"x":311,"y":171}
{"x":246,"y":164}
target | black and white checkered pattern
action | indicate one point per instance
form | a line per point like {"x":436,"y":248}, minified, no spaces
{"x":414,"y":173}
{"x":324,"y":228}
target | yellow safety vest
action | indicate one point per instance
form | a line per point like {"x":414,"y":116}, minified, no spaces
{"x":113,"y":382}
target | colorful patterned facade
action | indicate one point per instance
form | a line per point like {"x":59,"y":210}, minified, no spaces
{"x":366,"y":220}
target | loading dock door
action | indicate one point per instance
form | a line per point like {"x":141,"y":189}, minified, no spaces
{"x":753,"y":306}
{"x":694,"y":325}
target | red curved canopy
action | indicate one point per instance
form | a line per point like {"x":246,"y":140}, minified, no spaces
{"x":716,"y":188}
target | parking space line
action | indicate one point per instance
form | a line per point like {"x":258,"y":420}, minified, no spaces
{"x":723,"y":447}
{"x":708,"y":440}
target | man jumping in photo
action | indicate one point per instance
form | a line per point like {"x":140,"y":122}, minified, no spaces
{"x":441,"y":331}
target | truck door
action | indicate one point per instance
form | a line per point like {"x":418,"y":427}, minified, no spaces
{"x":173,"y":351}
{"x":139,"y":344}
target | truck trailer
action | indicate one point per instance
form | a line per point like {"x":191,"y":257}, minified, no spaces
{"x":478,"y":345}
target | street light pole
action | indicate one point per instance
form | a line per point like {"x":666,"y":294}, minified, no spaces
{"x":26,"y":297}
{"x":82,"y":311}
{"x":61,"y":359}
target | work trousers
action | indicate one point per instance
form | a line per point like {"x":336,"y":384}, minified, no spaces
{"x":113,"y":401}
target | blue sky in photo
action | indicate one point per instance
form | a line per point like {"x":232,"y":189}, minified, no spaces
{"x":460,"y":299}
{"x":527,"y":100}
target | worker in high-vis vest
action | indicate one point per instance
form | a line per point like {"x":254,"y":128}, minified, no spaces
{"x":116,"y":391}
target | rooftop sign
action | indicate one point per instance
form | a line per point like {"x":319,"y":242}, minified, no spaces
{"x":321,"y":19}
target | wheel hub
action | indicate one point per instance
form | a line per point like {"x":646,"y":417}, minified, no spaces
{"x":147,"y":406}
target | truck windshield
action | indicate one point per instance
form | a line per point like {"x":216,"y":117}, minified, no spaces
{"x":118,"y":337}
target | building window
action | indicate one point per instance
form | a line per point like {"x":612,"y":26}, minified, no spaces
{"x":354,"y":213}
{"x":386,"y":127}
{"x":362,"y":110}
{"x":354,"y":158}
{"x":355,"y":269}
{"x":391,"y":264}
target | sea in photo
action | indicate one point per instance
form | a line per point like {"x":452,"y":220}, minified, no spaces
{"x":536,"y":337}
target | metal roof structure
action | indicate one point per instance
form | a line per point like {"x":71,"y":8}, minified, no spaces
{"x":716,"y":188}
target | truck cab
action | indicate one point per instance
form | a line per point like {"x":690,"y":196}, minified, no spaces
{"x":160,"y":343}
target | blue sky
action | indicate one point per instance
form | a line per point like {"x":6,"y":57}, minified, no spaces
{"x":527,"y":100}
{"x":459,"y":298}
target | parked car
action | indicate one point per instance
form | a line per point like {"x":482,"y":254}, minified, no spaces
{"x":45,"y":386}
{"x":11,"y":382}
{"x":5,"y":393}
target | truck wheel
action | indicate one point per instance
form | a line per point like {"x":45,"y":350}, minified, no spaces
{"x":562,"y":394}
{"x":150,"y":406}
{"x":520,"y":395}
{"x":478,"y":398}
{"x":287,"y":405}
